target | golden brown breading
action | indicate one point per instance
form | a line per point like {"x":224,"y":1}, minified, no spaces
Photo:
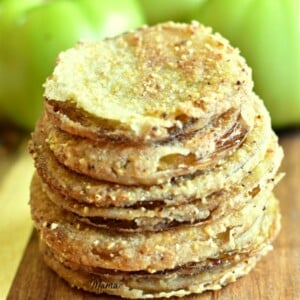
{"x":178,"y":190}
{"x":152,"y":163}
{"x":155,"y":165}
{"x":159,"y":217}
{"x":150,"y":82}
{"x":213,"y":276}
{"x":84,"y":244}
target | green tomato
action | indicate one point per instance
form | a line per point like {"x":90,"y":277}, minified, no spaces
{"x":166,"y":10}
{"x":268,"y":35}
{"x":33,"y":32}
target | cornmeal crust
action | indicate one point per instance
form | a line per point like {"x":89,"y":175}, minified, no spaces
{"x":159,"y":217}
{"x":84,"y":244}
{"x":178,"y":190}
{"x":147,"y":84}
{"x":155,"y":165}
{"x":148,"y":164}
{"x":133,"y":286}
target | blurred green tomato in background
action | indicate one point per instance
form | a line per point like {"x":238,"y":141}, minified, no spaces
{"x":33,"y":32}
{"x":268,"y":35}
{"x":166,"y":10}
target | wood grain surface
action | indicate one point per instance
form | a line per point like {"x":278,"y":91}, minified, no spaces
{"x":276,"y":277}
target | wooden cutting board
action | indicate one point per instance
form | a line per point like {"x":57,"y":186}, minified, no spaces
{"x":276,"y":277}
